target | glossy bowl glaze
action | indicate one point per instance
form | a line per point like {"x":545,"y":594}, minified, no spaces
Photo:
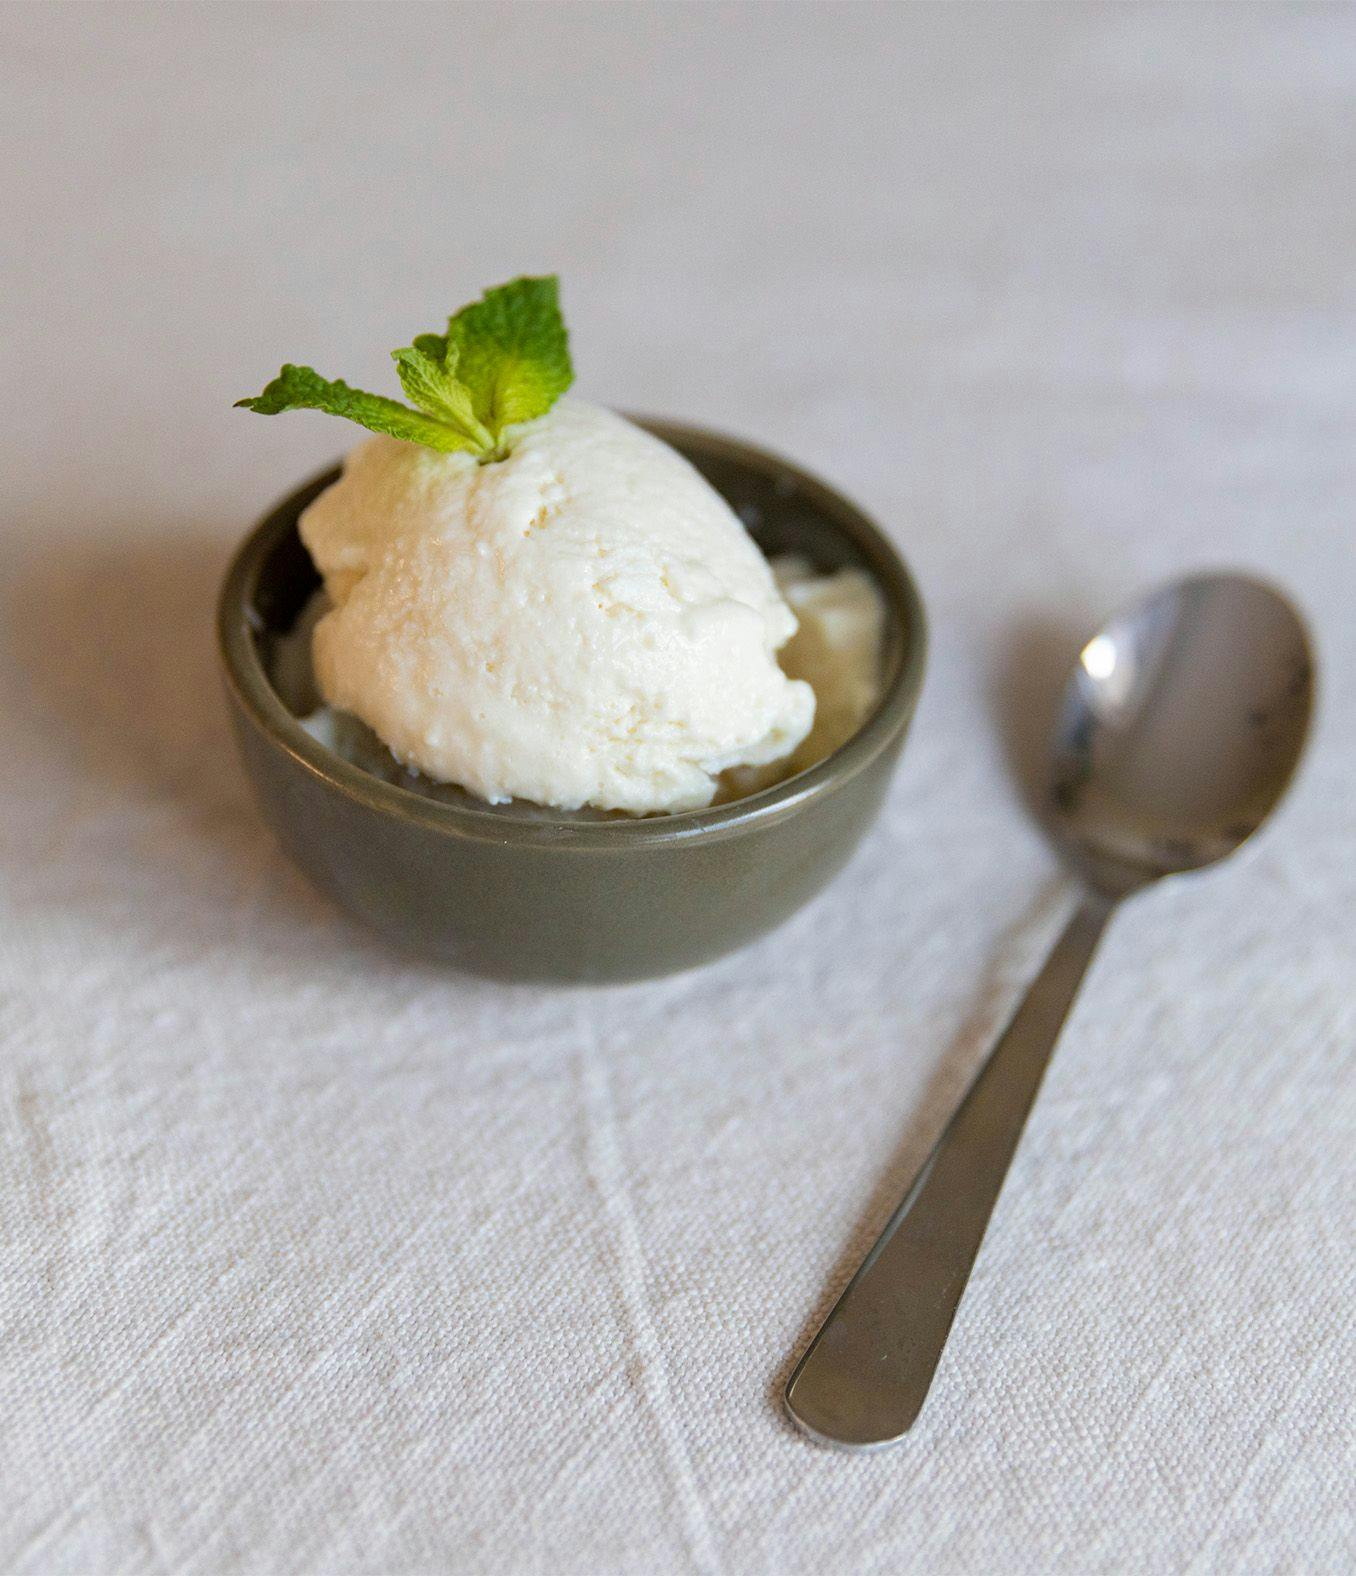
{"x":521,"y":892}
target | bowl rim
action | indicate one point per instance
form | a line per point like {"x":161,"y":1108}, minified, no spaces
{"x":256,"y":698}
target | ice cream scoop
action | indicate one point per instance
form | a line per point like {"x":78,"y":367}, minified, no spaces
{"x":583,"y":623}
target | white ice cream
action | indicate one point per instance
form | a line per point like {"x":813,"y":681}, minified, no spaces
{"x":584,"y":623}
{"x":836,"y":650}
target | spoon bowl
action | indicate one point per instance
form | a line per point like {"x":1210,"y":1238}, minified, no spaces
{"x":1180,"y":728}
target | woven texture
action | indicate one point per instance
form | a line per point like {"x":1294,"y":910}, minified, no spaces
{"x":315,"y":1259}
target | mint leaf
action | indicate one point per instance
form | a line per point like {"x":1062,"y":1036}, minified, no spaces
{"x":504,"y":359}
{"x":513,"y":352}
{"x":434,"y":345}
{"x":434,"y":388}
{"x":300,"y":388}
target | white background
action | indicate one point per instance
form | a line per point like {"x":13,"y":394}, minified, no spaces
{"x":313,"y":1258}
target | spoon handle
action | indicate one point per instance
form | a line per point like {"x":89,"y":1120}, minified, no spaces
{"x":865,"y":1377}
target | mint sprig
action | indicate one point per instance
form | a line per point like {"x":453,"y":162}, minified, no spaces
{"x":299,"y":388}
{"x":509,"y":350}
{"x":505,"y":359}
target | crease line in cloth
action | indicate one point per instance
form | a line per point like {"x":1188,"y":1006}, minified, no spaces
{"x":1297,"y":1397}
{"x":603,"y":1162}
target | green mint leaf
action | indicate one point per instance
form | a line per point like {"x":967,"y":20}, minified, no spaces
{"x":434,"y":345}
{"x":434,"y":387}
{"x":505,"y":359}
{"x":300,"y":388}
{"x":513,"y":352}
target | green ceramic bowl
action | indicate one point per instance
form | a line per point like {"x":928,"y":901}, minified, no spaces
{"x":526,"y":893}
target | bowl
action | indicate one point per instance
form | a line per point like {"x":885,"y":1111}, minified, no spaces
{"x":521,"y":892}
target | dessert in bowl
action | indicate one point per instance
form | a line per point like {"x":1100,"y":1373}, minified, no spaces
{"x":539,"y":703}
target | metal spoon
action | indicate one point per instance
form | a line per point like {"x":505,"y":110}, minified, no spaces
{"x":1179,"y":730}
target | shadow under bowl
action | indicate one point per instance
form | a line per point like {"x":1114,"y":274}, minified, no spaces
{"x":521,"y":892}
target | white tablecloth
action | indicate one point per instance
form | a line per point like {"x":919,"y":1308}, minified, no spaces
{"x":317,"y":1259}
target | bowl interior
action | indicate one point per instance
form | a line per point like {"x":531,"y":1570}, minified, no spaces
{"x":784,"y":509}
